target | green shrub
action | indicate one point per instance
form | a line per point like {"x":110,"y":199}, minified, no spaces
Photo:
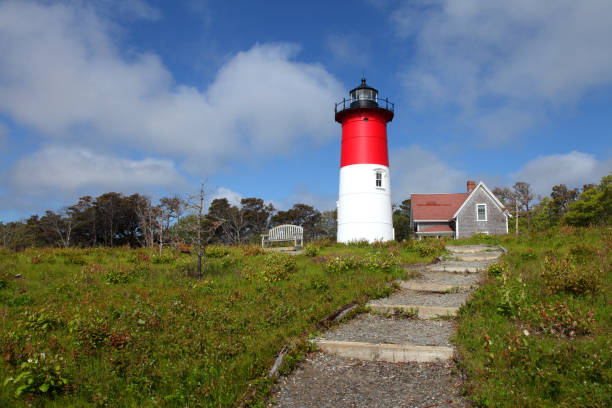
{"x":497,"y":269}
{"x":217,"y":251}
{"x":583,"y":254}
{"x":114,"y":274}
{"x":42,"y":320}
{"x":40,"y":374}
{"x":379,"y":261}
{"x":277,"y":266}
{"x":560,"y":319}
{"x":341,"y":264}
{"x":311,"y":250}
{"x":561,"y":274}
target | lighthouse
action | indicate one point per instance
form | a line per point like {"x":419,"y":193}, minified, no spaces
{"x":364,"y":200}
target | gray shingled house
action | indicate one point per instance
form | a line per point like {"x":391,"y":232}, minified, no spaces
{"x":458,"y":215}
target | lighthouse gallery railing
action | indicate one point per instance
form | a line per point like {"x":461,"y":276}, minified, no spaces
{"x":382,"y":103}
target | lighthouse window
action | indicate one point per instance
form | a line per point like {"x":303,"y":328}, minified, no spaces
{"x":378,"y":179}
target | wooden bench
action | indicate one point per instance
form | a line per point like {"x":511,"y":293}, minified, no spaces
{"x":285,"y":232}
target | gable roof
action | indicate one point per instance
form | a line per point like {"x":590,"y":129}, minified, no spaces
{"x":436,"y":207}
{"x":486,"y":189}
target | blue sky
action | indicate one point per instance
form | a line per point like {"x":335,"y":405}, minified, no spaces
{"x":152,"y":97}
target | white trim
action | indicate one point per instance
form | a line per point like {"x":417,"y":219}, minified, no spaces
{"x":480,"y":184}
{"x":506,"y":215}
{"x":485,"y":211}
{"x":457,"y":228}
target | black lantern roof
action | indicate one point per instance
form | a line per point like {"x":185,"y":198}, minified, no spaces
{"x":364,"y":97}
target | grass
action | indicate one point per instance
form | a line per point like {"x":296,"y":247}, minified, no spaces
{"x":123,"y":327}
{"x":538,"y":333}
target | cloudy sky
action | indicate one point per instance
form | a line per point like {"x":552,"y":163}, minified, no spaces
{"x":152,"y":97}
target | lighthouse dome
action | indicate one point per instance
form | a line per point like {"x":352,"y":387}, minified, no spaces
{"x":364,"y":96}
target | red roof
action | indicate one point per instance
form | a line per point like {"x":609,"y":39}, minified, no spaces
{"x":438,"y":228}
{"x":436,"y":206}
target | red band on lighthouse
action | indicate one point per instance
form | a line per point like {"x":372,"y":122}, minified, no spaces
{"x":364,"y":138}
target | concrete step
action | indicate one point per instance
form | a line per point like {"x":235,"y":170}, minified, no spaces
{"x":392,"y":353}
{"x":376,"y":328}
{"x":432,"y":287}
{"x":486,"y":256}
{"x":422,"y":312}
{"x":454,"y":279}
{"x":326,"y":381}
{"x":471,"y":249}
{"x":460,"y":266}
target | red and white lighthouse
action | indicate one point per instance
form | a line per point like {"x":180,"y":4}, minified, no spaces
{"x":364,"y":202}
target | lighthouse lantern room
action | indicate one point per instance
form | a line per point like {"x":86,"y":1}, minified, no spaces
{"x":364,"y":202}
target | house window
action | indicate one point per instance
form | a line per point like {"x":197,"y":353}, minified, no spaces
{"x":481,"y":212}
{"x":378,"y":179}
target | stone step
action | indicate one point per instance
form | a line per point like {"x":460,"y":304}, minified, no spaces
{"x":422,"y":312}
{"x":471,"y":249}
{"x":378,"y":329}
{"x":392,"y":353}
{"x":459,"y":266}
{"x":464,"y":280}
{"x":487,"y":256}
{"x":412,"y":297}
{"x":326,"y":381}
{"x":432,"y":287}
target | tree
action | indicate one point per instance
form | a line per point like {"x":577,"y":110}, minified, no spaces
{"x":401,"y":221}
{"x":510,"y":199}
{"x":303,"y":215}
{"x":594,"y":206}
{"x":59,"y":225}
{"x":561,"y":198}
{"x":328,"y":224}
{"x":524,"y":196}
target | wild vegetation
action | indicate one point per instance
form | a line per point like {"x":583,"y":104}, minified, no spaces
{"x":133,"y":327}
{"x":538,"y":333}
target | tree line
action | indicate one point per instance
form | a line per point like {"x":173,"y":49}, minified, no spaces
{"x":591,"y":205}
{"x":113,"y":219}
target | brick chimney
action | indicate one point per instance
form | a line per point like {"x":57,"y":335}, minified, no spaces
{"x":471,"y":185}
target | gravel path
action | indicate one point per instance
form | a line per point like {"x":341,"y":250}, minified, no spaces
{"x":324,"y":380}
{"x":411,"y":297}
{"x":378,"y":329}
{"x":448,"y":278}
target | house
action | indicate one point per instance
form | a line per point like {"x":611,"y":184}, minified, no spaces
{"x":458,"y":215}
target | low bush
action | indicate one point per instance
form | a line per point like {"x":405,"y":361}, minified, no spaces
{"x":40,"y":374}
{"x":561,"y":274}
{"x":115,"y":274}
{"x":341,"y":264}
{"x":276,"y":266}
{"x":497,"y":269}
{"x":311,"y":250}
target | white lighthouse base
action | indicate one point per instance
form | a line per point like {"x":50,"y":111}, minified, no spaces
{"x":364,"y":208}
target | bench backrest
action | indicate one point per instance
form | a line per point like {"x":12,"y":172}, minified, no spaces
{"x":286,"y":232}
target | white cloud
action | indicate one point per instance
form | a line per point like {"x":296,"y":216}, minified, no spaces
{"x":63,"y":74}
{"x":56,"y":172}
{"x":414,"y":170}
{"x":573,"y":169}
{"x":503,"y":64}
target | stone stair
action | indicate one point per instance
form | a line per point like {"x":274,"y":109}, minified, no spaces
{"x":412,"y":326}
